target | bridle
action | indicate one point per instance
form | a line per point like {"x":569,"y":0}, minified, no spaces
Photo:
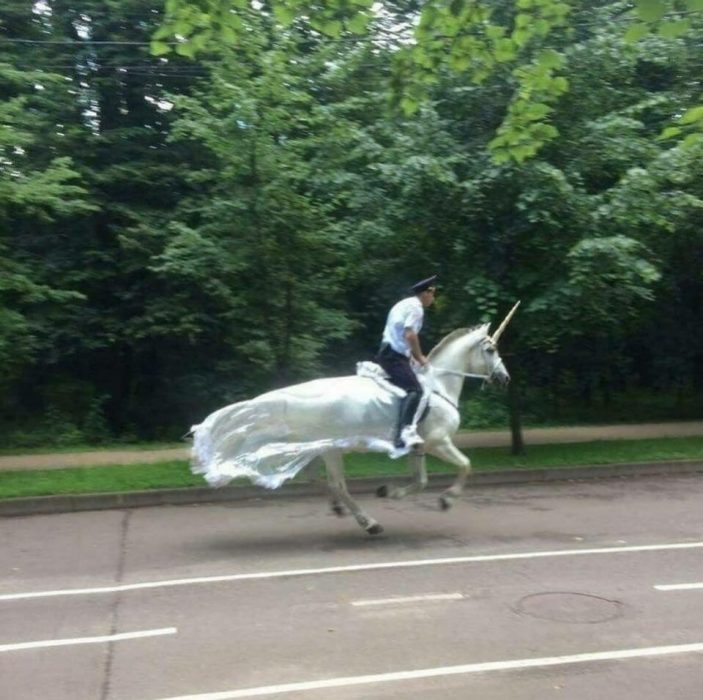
{"x":470,"y":375}
{"x":489,"y":341}
{"x":488,"y":378}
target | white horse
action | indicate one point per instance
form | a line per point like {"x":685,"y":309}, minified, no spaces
{"x":272,"y":437}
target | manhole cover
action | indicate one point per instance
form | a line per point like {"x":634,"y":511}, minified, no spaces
{"x":569,"y":607}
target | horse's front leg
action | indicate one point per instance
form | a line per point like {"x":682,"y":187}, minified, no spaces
{"x":419,"y":482}
{"x":334,"y":461}
{"x":448,"y":451}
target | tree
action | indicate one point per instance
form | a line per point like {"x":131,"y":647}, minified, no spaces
{"x":98,"y":99}
{"x":38,"y":188}
{"x":474,"y":37}
{"x":252,"y":256}
{"x":245,"y":219}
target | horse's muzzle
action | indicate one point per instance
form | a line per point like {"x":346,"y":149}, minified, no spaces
{"x":500,"y":377}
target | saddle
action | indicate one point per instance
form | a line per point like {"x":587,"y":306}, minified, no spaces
{"x":372,"y":370}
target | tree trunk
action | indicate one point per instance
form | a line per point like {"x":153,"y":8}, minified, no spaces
{"x":518,"y":445}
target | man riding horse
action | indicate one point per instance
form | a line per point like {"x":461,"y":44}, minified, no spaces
{"x":400,"y":343}
{"x":272,"y":437}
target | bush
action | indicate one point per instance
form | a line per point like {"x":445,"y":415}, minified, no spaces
{"x":59,"y":430}
{"x":95,"y":428}
{"x":484,"y":409}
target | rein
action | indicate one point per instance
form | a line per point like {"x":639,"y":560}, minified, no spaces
{"x":456,"y":373}
{"x":447,"y":399}
{"x":461,"y":374}
{"x":470,"y":375}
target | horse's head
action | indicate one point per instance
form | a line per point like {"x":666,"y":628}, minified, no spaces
{"x":472,"y":352}
{"x":488,"y":362}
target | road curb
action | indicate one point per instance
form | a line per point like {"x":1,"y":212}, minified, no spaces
{"x":46,"y":505}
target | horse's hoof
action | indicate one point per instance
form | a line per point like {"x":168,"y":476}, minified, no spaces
{"x":444,"y":503}
{"x":375,"y":529}
{"x":382,"y":491}
{"x":338,"y":510}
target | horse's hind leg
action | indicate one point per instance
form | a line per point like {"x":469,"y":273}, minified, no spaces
{"x":315,"y":474}
{"x":334,"y":462}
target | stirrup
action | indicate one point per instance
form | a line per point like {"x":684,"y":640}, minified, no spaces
{"x":410,"y":437}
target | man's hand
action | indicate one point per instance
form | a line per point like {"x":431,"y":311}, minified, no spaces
{"x":414,"y":343}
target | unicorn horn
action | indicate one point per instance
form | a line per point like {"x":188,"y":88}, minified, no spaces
{"x":502,"y":326}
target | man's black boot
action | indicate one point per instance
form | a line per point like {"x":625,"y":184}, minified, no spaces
{"x":406,"y":413}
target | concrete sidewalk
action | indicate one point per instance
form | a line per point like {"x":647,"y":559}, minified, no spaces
{"x":466,"y":439}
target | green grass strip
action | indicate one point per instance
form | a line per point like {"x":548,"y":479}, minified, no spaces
{"x":175,"y":474}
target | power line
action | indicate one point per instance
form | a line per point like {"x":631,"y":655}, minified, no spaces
{"x":86,"y":42}
{"x":102,"y":70}
{"x":114,"y":66}
{"x":100,"y":64}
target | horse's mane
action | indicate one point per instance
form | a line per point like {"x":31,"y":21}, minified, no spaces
{"x":452,"y":336}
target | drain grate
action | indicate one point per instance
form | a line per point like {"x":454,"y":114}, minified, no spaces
{"x":562,"y":606}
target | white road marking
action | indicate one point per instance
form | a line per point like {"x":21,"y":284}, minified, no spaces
{"x":679,"y":587}
{"x":445,"y":671}
{"x":409,"y":599}
{"x":88,"y":640}
{"x":352,"y":568}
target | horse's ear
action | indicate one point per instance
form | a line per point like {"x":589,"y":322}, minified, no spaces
{"x":502,"y":326}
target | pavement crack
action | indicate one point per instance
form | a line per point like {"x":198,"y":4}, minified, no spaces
{"x":116,"y":602}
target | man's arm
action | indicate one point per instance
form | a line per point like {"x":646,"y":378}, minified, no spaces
{"x":414,"y":343}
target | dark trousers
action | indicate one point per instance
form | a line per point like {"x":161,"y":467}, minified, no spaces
{"x":398,"y":368}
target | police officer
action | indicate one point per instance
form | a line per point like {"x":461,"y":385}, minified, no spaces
{"x":400,"y":343}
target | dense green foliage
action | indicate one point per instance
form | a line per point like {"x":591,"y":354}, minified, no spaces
{"x":522,"y":41}
{"x":178,"y":232}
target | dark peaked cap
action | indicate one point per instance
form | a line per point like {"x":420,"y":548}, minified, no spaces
{"x":424,"y":285}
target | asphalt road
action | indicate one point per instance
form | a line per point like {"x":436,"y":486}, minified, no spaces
{"x":528,"y":592}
